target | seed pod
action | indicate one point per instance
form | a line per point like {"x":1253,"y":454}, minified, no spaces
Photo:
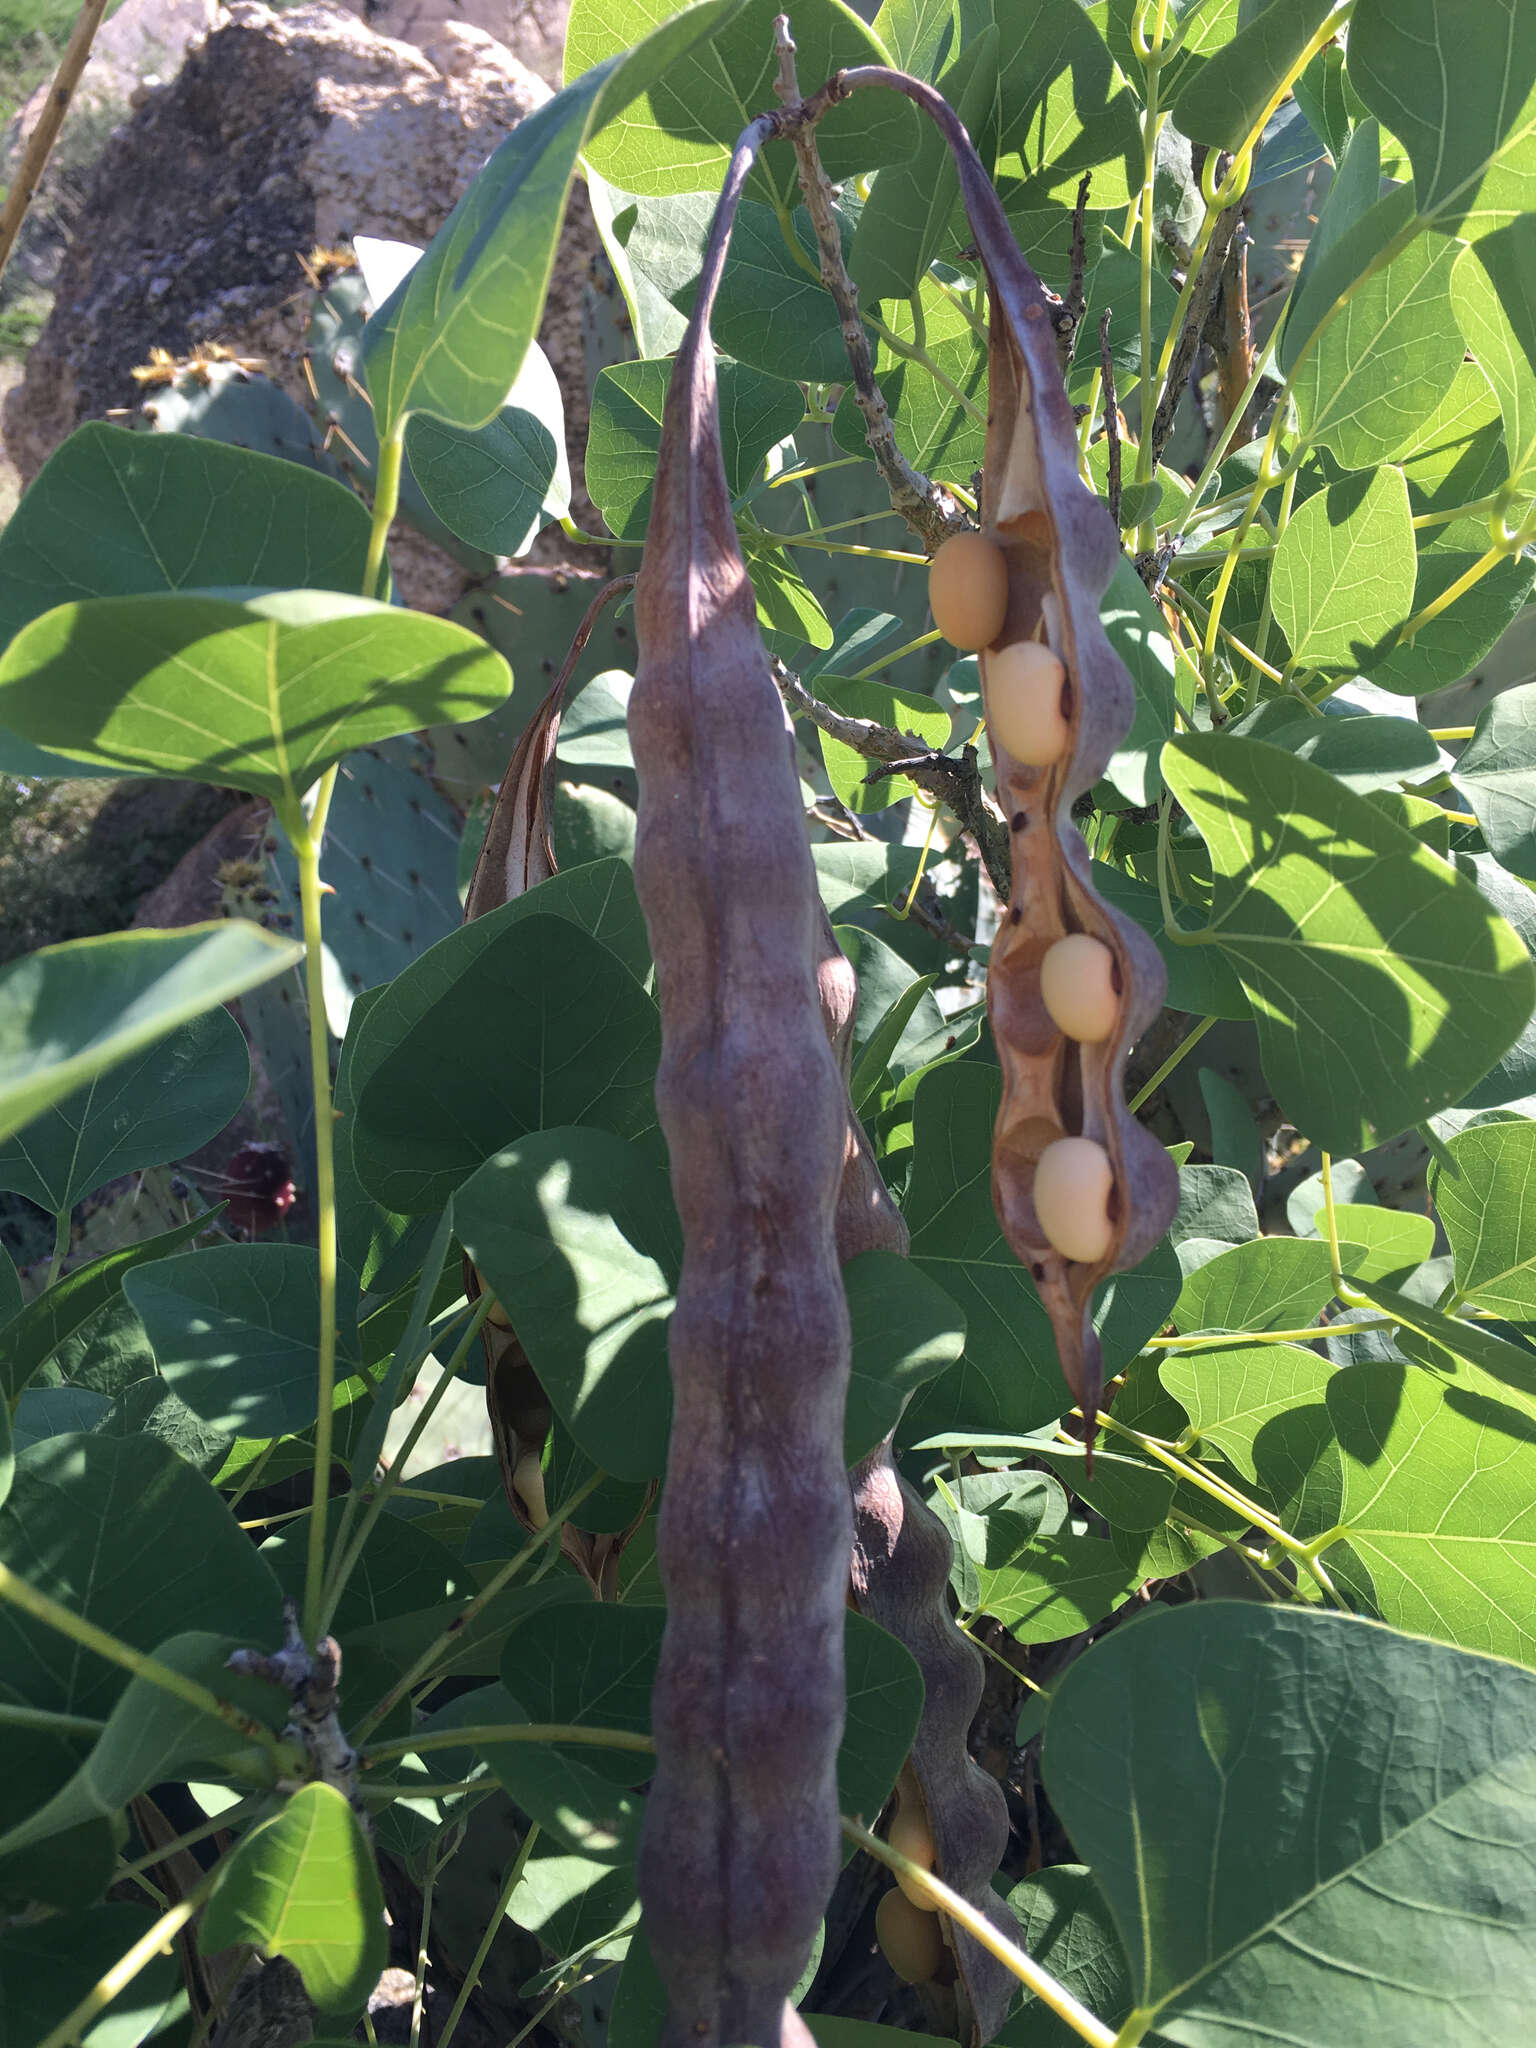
{"x":1060,"y":549}
{"x":910,"y":1937}
{"x":740,"y":1848}
{"x":516,"y":856}
{"x":901,"y":1563}
{"x":900,"y":1578}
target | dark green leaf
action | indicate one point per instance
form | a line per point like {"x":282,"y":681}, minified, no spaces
{"x":1343,"y":572}
{"x":678,"y":137}
{"x":236,"y":1333}
{"x":575,"y":1230}
{"x":119,"y":514}
{"x":152,"y":1735}
{"x":68,"y":1013}
{"x":1498,"y":772}
{"x":173,"y":1097}
{"x":120,"y":1530}
{"x":48,"y":1966}
{"x":905,"y":1330}
{"x":1222,"y":102}
{"x":1215,"y":1201}
{"x":1480,"y":1198}
{"x":1252,"y":1899}
{"x":66,"y":1308}
{"x":1065,"y":1926}
{"x":593,"y":1666}
{"x":516,"y":1023}
{"x":1440,"y":1502}
{"x":495,"y":486}
{"x":1384,"y":987}
{"x":756,"y":412}
{"x":265,"y":695}
{"x":1462,"y":104}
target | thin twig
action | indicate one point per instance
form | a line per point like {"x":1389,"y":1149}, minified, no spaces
{"x":954,"y":779}
{"x":926,"y":506}
{"x":39,"y":147}
{"x":1111,"y":418}
{"x":1070,"y":319}
{"x":1201,"y":299}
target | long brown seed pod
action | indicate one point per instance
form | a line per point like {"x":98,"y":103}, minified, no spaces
{"x":900,"y":1578}
{"x":516,"y":856}
{"x":1060,"y":550}
{"x":740,"y":1848}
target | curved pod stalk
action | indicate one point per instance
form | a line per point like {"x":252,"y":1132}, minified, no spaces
{"x":1060,"y":549}
{"x":741,"y":1845}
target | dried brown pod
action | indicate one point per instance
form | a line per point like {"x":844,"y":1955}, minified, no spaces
{"x":900,"y":1579}
{"x":516,"y":856}
{"x":740,"y":1847}
{"x":1060,"y":549}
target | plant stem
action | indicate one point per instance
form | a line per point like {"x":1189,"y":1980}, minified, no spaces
{"x":1235,"y":1339}
{"x":839,"y":547}
{"x":1186,"y":1044}
{"x":55,"y":1615}
{"x":39,"y":146}
{"x":942,"y":1900}
{"x":863,"y":675}
{"x":306,"y":837}
{"x":44,"y":1717}
{"x":492,"y":1929}
{"x":346,"y":1564}
{"x":231,"y":1815}
{"x":516,"y":1731}
{"x":60,"y":1246}
{"x":494,"y":1585}
{"x":386,"y":501}
{"x":1345,"y":1293}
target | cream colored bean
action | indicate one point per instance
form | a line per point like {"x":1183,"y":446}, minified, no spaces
{"x":968,"y":591}
{"x":909,"y":1937}
{"x":528,"y":1484}
{"x":1077,"y":986}
{"x":1024,"y":702}
{"x":912,"y":1836}
{"x":1073,"y":1182}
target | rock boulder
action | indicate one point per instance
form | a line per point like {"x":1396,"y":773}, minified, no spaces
{"x":283,"y":129}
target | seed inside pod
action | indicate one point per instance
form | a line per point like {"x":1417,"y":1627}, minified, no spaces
{"x":1077,"y":986}
{"x":968,"y":590}
{"x":1024,"y":702}
{"x":911,"y":1834}
{"x":528,"y":1484}
{"x":1073,"y":1183}
{"x":910,"y":1937}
